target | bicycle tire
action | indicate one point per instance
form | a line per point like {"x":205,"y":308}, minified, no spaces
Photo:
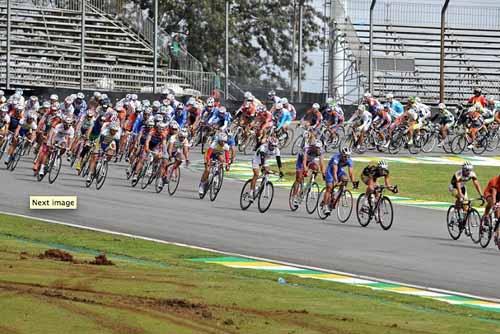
{"x":268,"y":187}
{"x":311,"y":207}
{"x":55,"y":168}
{"x":347,"y":199}
{"x":385,"y":203}
{"x":216,"y":184}
{"x":291,"y":204}
{"x":320,"y":208}
{"x":101,"y":175}
{"x":486,"y":232}
{"x":493,"y":142}
{"x":245,"y":193}
{"x":296,"y":144}
{"x":474,"y":226}
{"x":458,"y":144}
{"x":360,"y":214}
{"x":453,"y":226}
{"x":3,"y":147}
{"x":145,"y":178}
{"x":174,"y":179}
{"x":15,"y":159}
{"x":483,"y":144}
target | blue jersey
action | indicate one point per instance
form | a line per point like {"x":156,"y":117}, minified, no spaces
{"x":337,"y":160}
{"x":181,"y":117}
{"x":285,"y":118}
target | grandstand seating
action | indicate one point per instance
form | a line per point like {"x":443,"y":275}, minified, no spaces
{"x":45,"y":52}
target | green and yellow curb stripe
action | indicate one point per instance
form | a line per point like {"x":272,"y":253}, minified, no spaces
{"x":450,"y":298}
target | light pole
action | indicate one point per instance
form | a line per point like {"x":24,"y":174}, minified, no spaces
{"x":82,"y":47}
{"x":7,"y":56}
{"x":226,"y":60}
{"x":294,"y":37}
{"x":155,"y":46}
{"x":370,"y":52}
{"x":301,"y":27}
{"x":441,"y":60}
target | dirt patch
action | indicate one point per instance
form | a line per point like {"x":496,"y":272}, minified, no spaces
{"x":298,"y":311}
{"x":24,"y":256}
{"x":102,"y":260}
{"x":56,"y":254}
{"x":180,"y":303}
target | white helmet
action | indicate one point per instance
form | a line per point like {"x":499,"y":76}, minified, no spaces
{"x":174,"y":125}
{"x":80,"y":96}
{"x":346,"y":151}
{"x":156,"y":104}
{"x":361,"y":108}
{"x":210,"y":102}
{"x":161,"y":125}
{"x":367,"y":95}
{"x":222,"y":137}
{"x":134,"y":97}
{"x":383,"y":164}
{"x":318,"y":143}
{"x":183,"y":133}
{"x":115,"y":126}
{"x":467,"y":166}
{"x":442,"y":106}
{"x":389,"y":96}
{"x":164,"y":91}
{"x":150,"y":123}
{"x":316,"y":106}
{"x":97,"y":95}
{"x":54,"y":97}
{"x":330,"y":100}
{"x":284,"y":100}
{"x":248,"y":96}
{"x":279,"y":106}
{"x":2,"y":93}
{"x":222,"y":110}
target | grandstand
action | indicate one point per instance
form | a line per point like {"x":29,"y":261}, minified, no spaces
{"x":409,"y":33}
{"x":46,"y":40}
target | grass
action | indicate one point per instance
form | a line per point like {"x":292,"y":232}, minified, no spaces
{"x":154,"y":288}
{"x":421,"y":181}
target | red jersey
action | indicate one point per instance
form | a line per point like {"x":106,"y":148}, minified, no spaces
{"x":478,"y":99}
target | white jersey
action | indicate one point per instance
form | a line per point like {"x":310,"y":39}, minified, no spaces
{"x":263,"y":150}
{"x":27,"y":126}
{"x":60,"y":133}
{"x":178,"y":144}
{"x":107,"y":138}
{"x":4,"y":120}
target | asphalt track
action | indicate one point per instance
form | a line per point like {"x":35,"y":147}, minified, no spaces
{"x":417,"y":250}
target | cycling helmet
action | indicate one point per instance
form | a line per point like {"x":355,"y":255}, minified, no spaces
{"x":248,"y":96}
{"x":183,"y":134}
{"x":156,"y":104}
{"x":180,"y":106}
{"x":411,"y":99}
{"x":442,"y":106}
{"x":210,"y":102}
{"x":31,"y":116}
{"x":19,"y":108}
{"x":316,"y":106}
{"x":389,"y":96}
{"x":318,"y":143}
{"x":222,"y":137}
{"x":97,"y":95}
{"x":46,"y":104}
{"x":4,"y":109}
{"x":279,"y":106}
{"x":387,"y":106}
{"x":134,"y":97}
{"x":417,"y":99}
{"x":2,"y":93}
{"x":271,"y":94}
{"x":383,"y":164}
{"x":164,"y":91}
{"x":80,"y":96}
{"x":174,"y":125}
{"x":68,"y":120}
{"x":150,"y":123}
{"x":346,"y":151}
{"x":367,"y":95}
{"x":467,"y":166}
{"x":261,"y":108}
{"x":161,"y":125}
{"x":170,"y":96}
{"x":361,"y":108}
{"x":68,"y":100}
{"x":330,"y":101}
{"x":54,"y":97}
{"x":146,"y":103}
{"x":19,"y":91}
{"x":477,"y":91}
{"x":284,"y":101}
{"x":158,"y":118}
{"x":104,"y":96}
{"x":33,"y":98}
{"x":115,"y":126}
{"x":191,"y":101}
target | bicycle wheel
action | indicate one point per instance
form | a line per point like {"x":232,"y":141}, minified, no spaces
{"x":481,"y":146}
{"x":216,"y":184}
{"x":294,"y":200}
{"x":363,"y":211}
{"x":3,"y":147}
{"x":297,"y":144}
{"x":321,"y":206}
{"x":493,"y":142}
{"x":430,"y":142}
{"x":344,"y":206}
{"x":174,"y":179}
{"x":473,"y":222}
{"x":15,"y":159}
{"x":486,"y":232}
{"x":101,"y":174}
{"x":266,"y":197}
{"x":55,"y":169}
{"x":458,"y":144}
{"x":453,"y":223}
{"x":146,"y":174}
{"x":245,"y":196}
{"x":312,"y":198}
{"x":385,"y":213}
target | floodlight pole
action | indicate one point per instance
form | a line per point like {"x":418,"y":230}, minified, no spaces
{"x":82,"y":46}
{"x":226,"y":60}
{"x":370,"y":52}
{"x":294,"y":35}
{"x":301,"y":42}
{"x":7,"y":57}
{"x":155,"y":46}
{"x":441,"y":60}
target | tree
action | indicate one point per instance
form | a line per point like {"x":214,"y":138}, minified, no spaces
{"x":260,"y":35}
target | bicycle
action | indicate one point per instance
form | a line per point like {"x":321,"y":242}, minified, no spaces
{"x":215,"y":179}
{"x":100,"y":173}
{"x":144,"y":169}
{"x":173,"y":177}
{"x":486,"y":227}
{"x":5,"y":141}
{"x":310,"y":191}
{"x":381,"y":210}
{"x":16,"y":156}
{"x":460,"y":218}
{"x":265,"y":192}
{"x":54,"y":164}
{"x":341,"y":200}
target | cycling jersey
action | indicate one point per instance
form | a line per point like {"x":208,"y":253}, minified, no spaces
{"x":107,"y":138}
{"x":4,"y":120}
{"x":263,"y":154}
{"x":374,"y":172}
{"x":14,"y":123}
{"x":460,"y":177}
{"x":478,"y":99}
{"x":397,"y":109}
{"x":285,"y":118}
{"x":60,"y":133}
{"x":337,"y":160}
{"x":365,"y":120}
{"x":157,"y":137}
{"x":26,"y":127}
{"x":313,"y":156}
{"x":177,"y":143}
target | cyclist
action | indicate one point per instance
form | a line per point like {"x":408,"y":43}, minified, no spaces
{"x":313,"y":117}
{"x":445,"y":120}
{"x":218,"y":150}
{"x":361,"y":120}
{"x":79,"y":105}
{"x":310,"y":158}
{"x":459,"y":179}
{"x":477,"y":98}
{"x":371,"y":173}
{"x":220,"y":119}
{"x":492,"y":196}
{"x":178,"y":151}
{"x":32,"y":104}
{"x":334,"y":116}
{"x":14,"y":126}
{"x":396,"y":107}
{"x":371,"y":103}
{"x":290,"y":107}
{"x":476,"y":122}
{"x":261,"y":161}
{"x":263,"y":121}
{"x":4,"y":122}
{"x":181,"y":115}
{"x":27,"y":128}
{"x":284,"y":118}
{"x":83,"y":130}
{"x":335,"y":173}
{"x":107,"y":144}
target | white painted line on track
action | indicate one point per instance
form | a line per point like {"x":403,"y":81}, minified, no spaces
{"x":284,"y":263}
